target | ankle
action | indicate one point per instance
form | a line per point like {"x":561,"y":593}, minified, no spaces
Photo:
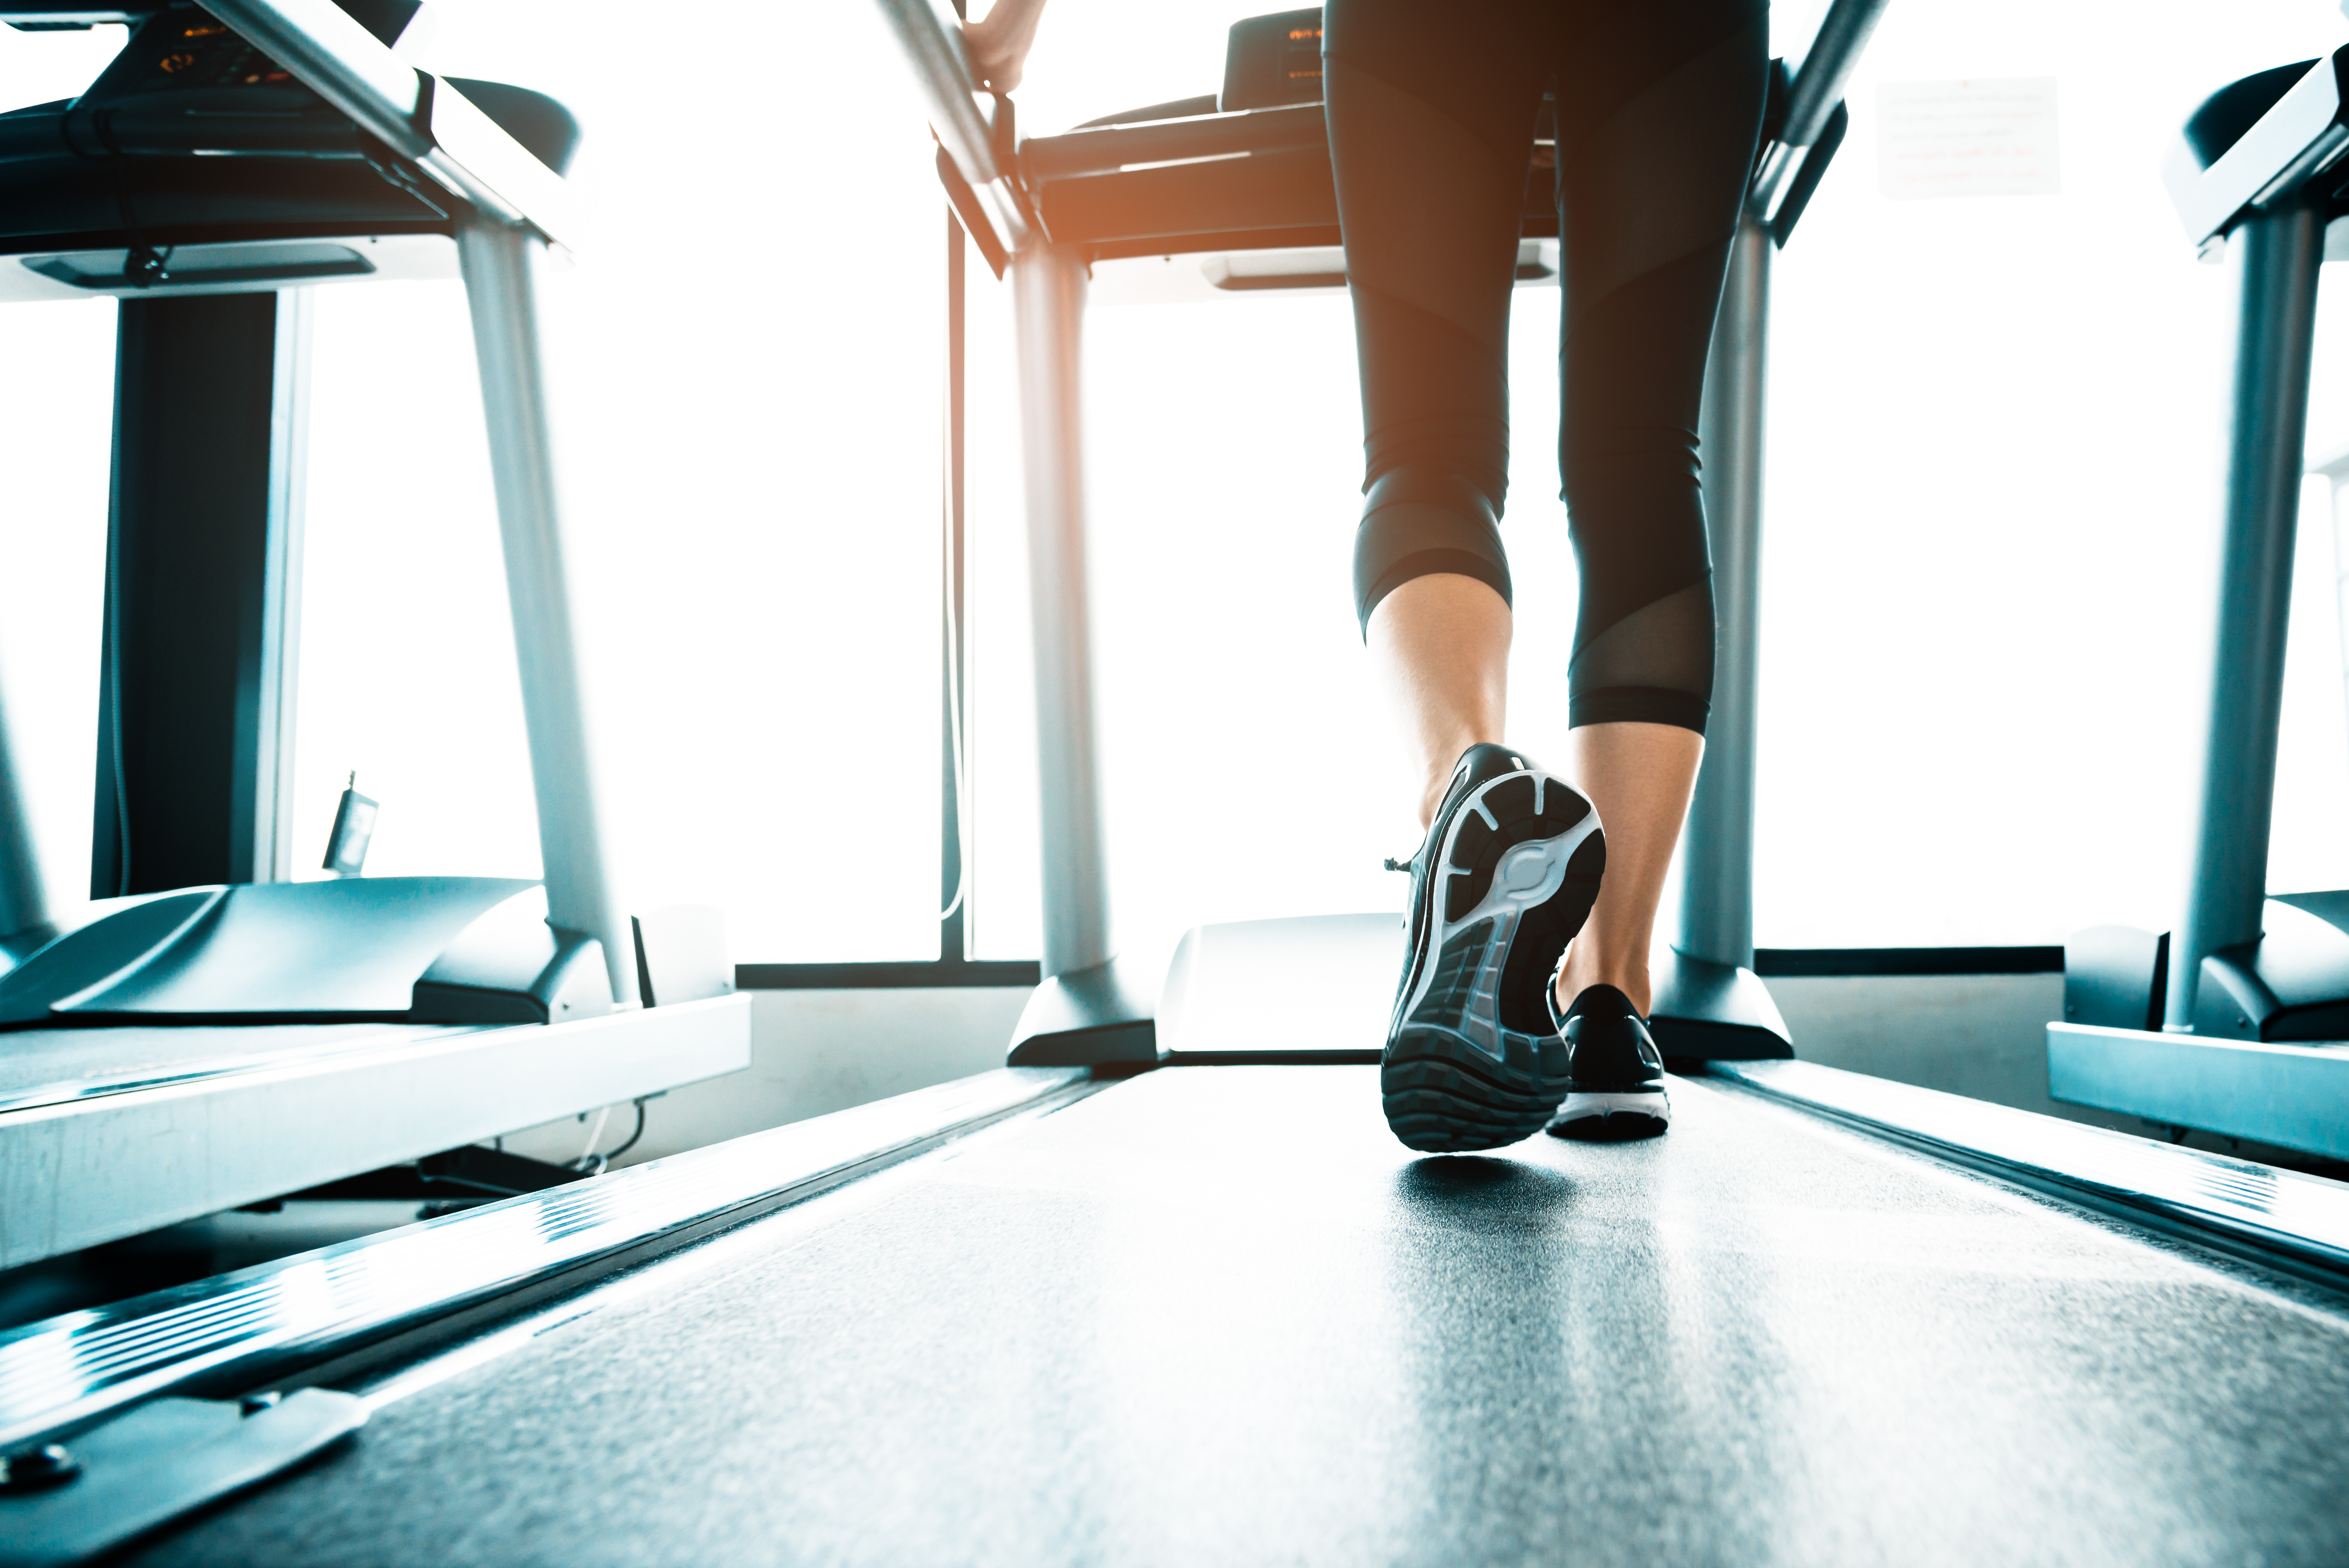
{"x":1582,"y":971}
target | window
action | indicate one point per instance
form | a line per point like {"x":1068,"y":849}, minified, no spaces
{"x":1995,"y":430}
{"x":56,"y":409}
{"x":746,"y":356}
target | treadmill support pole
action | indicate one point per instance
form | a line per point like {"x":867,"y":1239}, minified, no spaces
{"x":1708,"y":1001}
{"x":23,"y":903}
{"x":500,"y":265}
{"x":1717,"y":865}
{"x":2279,"y":253}
{"x":1084,"y":1012}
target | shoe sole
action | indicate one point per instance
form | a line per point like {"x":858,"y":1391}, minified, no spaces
{"x":1520,"y":868}
{"x":1610,"y":1118}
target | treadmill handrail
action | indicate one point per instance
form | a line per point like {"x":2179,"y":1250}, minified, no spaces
{"x":440,"y":131}
{"x":2300,"y":135}
{"x":931,"y":36}
{"x":1826,"y":64}
{"x":1813,"y":95}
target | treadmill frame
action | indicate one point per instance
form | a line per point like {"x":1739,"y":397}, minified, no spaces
{"x":1043,"y":210}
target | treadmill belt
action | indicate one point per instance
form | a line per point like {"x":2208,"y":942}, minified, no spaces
{"x":1218,"y":1314}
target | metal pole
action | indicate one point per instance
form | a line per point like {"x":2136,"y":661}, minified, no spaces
{"x":2279,"y":253}
{"x":499,"y":267}
{"x":1048,"y":297}
{"x":23,"y":902}
{"x":1826,"y":64}
{"x":931,"y":36}
{"x":1717,"y":858}
{"x":954,"y":784}
{"x":274,"y":702}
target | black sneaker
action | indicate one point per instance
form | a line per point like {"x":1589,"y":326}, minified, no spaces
{"x":1615,"y":1074}
{"x":1506,"y":877}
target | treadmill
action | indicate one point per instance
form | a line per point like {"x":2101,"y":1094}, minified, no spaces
{"x":2238,"y":1021}
{"x":1210,"y":1311}
{"x":254,"y":1036}
{"x":1230,"y":193}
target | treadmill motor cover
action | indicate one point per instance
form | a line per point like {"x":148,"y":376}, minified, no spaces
{"x":455,"y":949}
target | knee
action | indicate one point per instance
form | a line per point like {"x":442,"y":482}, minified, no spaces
{"x":1419,"y":520}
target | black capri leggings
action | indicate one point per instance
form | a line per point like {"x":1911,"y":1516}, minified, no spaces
{"x":1431,"y":113}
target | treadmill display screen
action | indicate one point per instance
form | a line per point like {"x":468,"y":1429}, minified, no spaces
{"x":1273,"y":60}
{"x":183,"y":50}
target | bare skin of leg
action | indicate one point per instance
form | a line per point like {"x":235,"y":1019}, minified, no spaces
{"x":1441,"y":645}
{"x":1640,"y":776}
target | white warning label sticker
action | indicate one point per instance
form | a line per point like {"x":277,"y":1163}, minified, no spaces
{"x":1979,"y":137}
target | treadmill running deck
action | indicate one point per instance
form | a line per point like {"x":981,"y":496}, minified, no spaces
{"x":1217,"y":1315}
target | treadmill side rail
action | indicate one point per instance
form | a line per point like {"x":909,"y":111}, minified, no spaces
{"x":343,"y":1303}
{"x":2273,"y":1215}
{"x":2291,"y":1096}
{"x":165,"y":1458}
{"x":271,"y":1118}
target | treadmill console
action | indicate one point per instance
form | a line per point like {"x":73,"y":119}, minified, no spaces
{"x":186,"y":86}
{"x":1272,"y":61}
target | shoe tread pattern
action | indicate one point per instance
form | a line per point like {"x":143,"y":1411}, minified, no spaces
{"x":1443,"y":1093}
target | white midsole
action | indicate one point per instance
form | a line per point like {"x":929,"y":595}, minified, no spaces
{"x":1502,"y":904}
{"x":1652,"y":1103}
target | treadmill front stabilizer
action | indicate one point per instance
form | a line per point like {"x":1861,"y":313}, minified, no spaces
{"x":423,"y":950}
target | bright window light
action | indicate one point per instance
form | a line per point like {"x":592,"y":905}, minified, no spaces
{"x":56,"y":406}
{"x":746,"y":352}
{"x":1995,"y":429}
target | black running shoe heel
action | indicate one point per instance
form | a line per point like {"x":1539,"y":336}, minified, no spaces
{"x":1506,"y":877}
{"x":1615,"y":1074}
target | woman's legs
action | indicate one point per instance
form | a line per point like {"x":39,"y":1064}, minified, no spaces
{"x":1430,"y":114}
{"x":1658,"y":107}
{"x":1441,"y":645}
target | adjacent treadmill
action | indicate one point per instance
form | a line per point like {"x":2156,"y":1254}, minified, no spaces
{"x":249,"y":1035}
{"x":2238,"y":1022}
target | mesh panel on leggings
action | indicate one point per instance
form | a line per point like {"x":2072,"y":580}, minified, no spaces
{"x":1653,"y":667}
